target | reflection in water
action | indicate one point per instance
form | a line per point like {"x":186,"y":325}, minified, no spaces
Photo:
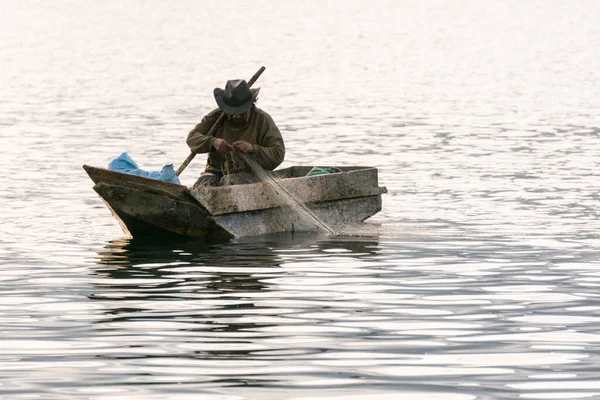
{"x":288,"y":312}
{"x":191,"y":309}
{"x":273,"y":311}
{"x":222,"y":294}
{"x":190,"y":272}
{"x":135,"y":259}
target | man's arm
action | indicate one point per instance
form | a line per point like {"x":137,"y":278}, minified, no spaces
{"x":198,"y":140}
{"x":270,"y":150}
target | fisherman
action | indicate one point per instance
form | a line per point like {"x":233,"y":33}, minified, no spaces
{"x":247,"y":131}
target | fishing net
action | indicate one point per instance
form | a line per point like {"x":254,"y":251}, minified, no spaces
{"x":322,"y":171}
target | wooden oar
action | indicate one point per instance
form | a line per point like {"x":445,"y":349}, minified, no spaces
{"x":290,"y":198}
{"x":216,"y":124}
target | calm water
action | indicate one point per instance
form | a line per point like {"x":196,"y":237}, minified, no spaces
{"x":480,"y":279}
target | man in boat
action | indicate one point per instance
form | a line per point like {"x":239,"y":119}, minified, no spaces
{"x":246,"y":131}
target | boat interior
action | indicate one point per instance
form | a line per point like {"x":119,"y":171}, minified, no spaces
{"x":298,"y":171}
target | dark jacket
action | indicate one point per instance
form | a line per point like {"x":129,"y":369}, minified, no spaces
{"x":260,"y":130}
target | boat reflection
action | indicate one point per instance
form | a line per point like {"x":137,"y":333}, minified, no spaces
{"x":129,"y":258}
{"x":203,"y":289}
{"x":187,"y":268}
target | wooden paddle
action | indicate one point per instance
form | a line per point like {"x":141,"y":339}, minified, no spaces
{"x":216,"y":124}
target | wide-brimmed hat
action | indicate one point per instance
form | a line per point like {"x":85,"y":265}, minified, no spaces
{"x":236,"y":98}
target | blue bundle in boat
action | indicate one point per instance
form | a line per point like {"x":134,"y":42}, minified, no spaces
{"x":124,"y":163}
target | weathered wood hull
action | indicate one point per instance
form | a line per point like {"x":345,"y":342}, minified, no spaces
{"x":148,"y":207}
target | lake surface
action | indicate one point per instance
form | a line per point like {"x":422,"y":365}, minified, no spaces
{"x":479,"y":279}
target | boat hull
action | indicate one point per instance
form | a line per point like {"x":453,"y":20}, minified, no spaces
{"x":147,"y":207}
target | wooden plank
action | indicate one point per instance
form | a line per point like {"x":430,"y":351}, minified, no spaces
{"x":307,"y":189}
{"x":107,"y":176}
{"x":336,"y":214}
{"x":145,"y":212}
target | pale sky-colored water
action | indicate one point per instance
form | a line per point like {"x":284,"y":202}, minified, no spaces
{"x":478,"y":280}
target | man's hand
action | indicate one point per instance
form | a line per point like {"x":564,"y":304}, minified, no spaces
{"x":221,"y":145}
{"x":243,"y":147}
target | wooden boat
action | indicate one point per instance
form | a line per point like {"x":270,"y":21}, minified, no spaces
{"x":149,"y":207}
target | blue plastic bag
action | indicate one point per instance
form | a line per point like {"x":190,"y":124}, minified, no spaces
{"x":124,"y":163}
